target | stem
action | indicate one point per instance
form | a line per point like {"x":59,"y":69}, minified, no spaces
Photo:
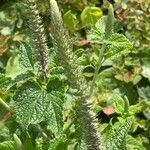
{"x":4,"y":104}
{"x":98,"y":68}
{"x":108,"y":32}
{"x":18,"y":143}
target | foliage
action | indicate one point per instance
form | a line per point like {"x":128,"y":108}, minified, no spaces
{"x":85,"y":86}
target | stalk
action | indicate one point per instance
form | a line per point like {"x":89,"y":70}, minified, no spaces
{"x":5,"y":105}
{"x":84,"y":114}
{"x":108,"y":32}
{"x":38,"y":37}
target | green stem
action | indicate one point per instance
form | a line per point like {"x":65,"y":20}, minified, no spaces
{"x":18,"y":143}
{"x":4,"y":104}
{"x":98,"y":67}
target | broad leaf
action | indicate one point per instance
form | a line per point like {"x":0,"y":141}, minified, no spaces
{"x":33,"y":105}
{"x":117,"y":44}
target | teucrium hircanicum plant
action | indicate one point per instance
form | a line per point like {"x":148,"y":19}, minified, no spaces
{"x":87,"y":129}
{"x":35,"y":102}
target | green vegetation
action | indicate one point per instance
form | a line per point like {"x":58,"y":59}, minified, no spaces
{"x":74,"y":75}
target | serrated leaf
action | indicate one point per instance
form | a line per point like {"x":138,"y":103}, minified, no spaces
{"x":137,"y":108}
{"x":117,"y":44}
{"x":7,"y":145}
{"x":54,"y":112}
{"x":28,"y":103}
{"x":118,"y":141}
{"x":26,"y":56}
{"x":32,"y":105}
{"x":119,"y":104}
{"x":97,"y":33}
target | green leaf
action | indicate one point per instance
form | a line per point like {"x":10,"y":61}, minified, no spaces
{"x":29,"y":102}
{"x":90,"y":15}
{"x":97,"y":33}
{"x":109,"y":22}
{"x":70,"y":20}
{"x":32,"y":105}
{"x":118,"y":141}
{"x":55,"y":142}
{"x":13,"y":68}
{"x":26,"y":56}
{"x":137,"y":108}
{"x":117,"y":44}
{"x":119,"y":104}
{"x":133,"y":143}
{"x":7,"y":145}
{"x":54,"y":112}
{"x":4,"y":81}
{"x":20,"y":79}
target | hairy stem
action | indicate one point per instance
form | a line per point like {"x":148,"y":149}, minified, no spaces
{"x":108,"y":32}
{"x":98,"y":68}
{"x":38,"y":37}
{"x":76,"y":80}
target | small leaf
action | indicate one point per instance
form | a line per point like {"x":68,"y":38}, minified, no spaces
{"x":137,"y":108}
{"x":117,"y":44}
{"x":133,"y":143}
{"x":118,"y":104}
{"x":26,"y":55}
{"x":97,"y":33}
{"x":90,"y":15}
{"x":20,"y":79}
